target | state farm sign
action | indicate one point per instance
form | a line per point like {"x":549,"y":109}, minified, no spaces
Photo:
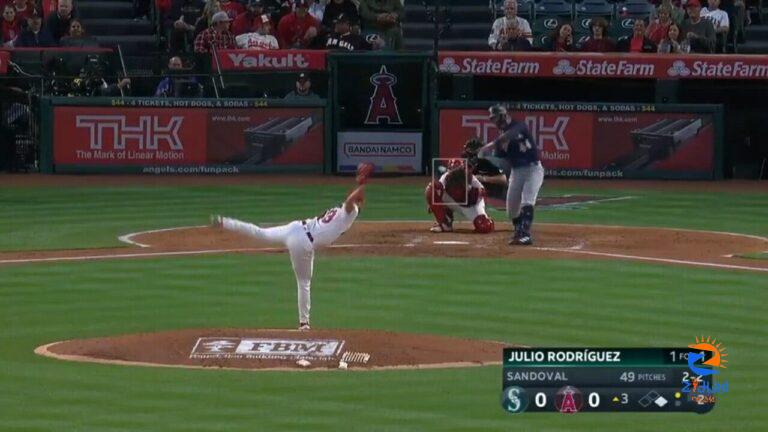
{"x":243,"y":60}
{"x":590,"y":65}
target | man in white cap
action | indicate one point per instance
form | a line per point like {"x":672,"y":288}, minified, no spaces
{"x":217,"y":35}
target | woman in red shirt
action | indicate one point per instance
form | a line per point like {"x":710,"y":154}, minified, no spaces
{"x":10,"y":27}
{"x":637,"y":43}
{"x":658,"y":29}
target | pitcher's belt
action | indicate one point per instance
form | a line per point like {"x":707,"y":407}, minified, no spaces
{"x":309,"y":235}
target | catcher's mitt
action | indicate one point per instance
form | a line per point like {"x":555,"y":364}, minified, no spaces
{"x":471,"y":148}
{"x":364,"y":171}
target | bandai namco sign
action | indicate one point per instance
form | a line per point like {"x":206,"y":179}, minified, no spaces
{"x":266,"y":348}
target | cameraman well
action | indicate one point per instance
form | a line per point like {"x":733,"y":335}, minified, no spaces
{"x":91,"y":81}
{"x":175,"y":84}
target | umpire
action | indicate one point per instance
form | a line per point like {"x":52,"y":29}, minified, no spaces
{"x":517,"y":146}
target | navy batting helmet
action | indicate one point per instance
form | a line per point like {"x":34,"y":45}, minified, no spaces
{"x":497,"y":111}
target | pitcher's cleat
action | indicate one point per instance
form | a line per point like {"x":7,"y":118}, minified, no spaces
{"x":304,"y":326}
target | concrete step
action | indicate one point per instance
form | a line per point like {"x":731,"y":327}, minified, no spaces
{"x":105,"y":9}
{"x":457,"y":31}
{"x":459,"y":14}
{"x":132,"y":44}
{"x":118,"y":26}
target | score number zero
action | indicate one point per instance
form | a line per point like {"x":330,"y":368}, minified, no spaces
{"x":593,"y":399}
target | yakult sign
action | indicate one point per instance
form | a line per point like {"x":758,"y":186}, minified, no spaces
{"x":644,"y":66}
{"x":245,"y":60}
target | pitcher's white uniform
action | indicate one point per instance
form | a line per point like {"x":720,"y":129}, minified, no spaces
{"x":301,"y":238}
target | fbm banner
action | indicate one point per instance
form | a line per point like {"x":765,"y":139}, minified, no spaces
{"x":603,"y":140}
{"x":186,"y":140}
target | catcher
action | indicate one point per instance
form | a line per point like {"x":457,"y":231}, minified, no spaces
{"x":303,"y":237}
{"x":458,"y":189}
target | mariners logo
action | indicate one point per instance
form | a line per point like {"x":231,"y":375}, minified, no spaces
{"x":383,"y":107}
{"x":514,"y":399}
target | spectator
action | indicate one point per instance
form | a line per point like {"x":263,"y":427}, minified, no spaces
{"x":174,"y":85}
{"x":657,"y":30}
{"x":317,"y":9}
{"x":383,"y":17}
{"x":180,"y":20}
{"x":718,"y":16}
{"x":297,"y":29}
{"x":676,"y":12}
{"x":638,"y":42}
{"x":672,"y":43}
{"x":598,"y":42}
{"x":24,"y":9}
{"x":211,"y":8}
{"x":514,"y":39}
{"x":342,"y":38}
{"x":250,"y":20}
{"x":10,"y":27}
{"x":58,"y":23}
{"x":337,"y":7}
{"x":699,"y":32}
{"x":35,"y":36}
{"x":232,"y":8}
{"x":501,"y":26}
{"x":562,"y":38}
{"x":77,"y":38}
{"x":303,"y":89}
{"x":260,"y":40}
{"x":217,"y":35}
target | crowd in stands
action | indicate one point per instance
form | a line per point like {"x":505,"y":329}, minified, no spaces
{"x":200,"y":26}
{"x":25,"y":25}
{"x":675,"y":28}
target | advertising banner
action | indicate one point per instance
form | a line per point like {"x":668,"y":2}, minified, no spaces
{"x":396,"y":152}
{"x":600,"y":140}
{"x":598,"y":65}
{"x":187,"y":140}
{"x":376,"y":95}
{"x":271,"y":60}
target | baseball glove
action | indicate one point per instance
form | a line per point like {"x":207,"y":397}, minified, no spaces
{"x":364,"y":171}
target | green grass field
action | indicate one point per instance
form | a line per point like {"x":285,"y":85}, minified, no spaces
{"x":534,"y":302}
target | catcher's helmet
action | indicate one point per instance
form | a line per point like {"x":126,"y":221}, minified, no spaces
{"x":497,"y":111}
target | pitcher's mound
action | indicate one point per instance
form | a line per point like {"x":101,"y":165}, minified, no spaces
{"x":280,"y":349}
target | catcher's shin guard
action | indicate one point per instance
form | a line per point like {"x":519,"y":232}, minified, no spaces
{"x":483,"y":224}
{"x":526,"y":220}
{"x":443,"y":215}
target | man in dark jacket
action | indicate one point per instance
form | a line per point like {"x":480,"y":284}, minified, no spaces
{"x":58,"y":23}
{"x":35,"y":36}
{"x":334,"y":8}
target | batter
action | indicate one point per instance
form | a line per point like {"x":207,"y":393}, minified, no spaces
{"x":517,"y":146}
{"x":303,"y":237}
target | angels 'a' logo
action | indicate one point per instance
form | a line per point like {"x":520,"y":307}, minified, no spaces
{"x":383,"y":102}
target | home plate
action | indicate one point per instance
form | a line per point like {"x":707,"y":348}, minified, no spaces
{"x":450,"y":242}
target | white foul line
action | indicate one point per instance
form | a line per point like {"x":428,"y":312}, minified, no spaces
{"x":127,"y":238}
{"x":664,"y":260}
{"x":160,"y":254}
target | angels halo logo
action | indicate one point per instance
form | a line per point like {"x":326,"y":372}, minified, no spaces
{"x":383,"y":107}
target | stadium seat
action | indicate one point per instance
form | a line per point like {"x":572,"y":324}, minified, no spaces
{"x":546,"y":25}
{"x":595,"y":8}
{"x":636,"y":9}
{"x":558,"y":8}
{"x":542,"y":41}
{"x":620,"y":27}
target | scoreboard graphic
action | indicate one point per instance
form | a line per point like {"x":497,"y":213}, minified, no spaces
{"x":571,"y":380}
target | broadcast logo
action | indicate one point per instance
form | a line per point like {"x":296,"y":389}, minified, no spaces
{"x":700,"y":390}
